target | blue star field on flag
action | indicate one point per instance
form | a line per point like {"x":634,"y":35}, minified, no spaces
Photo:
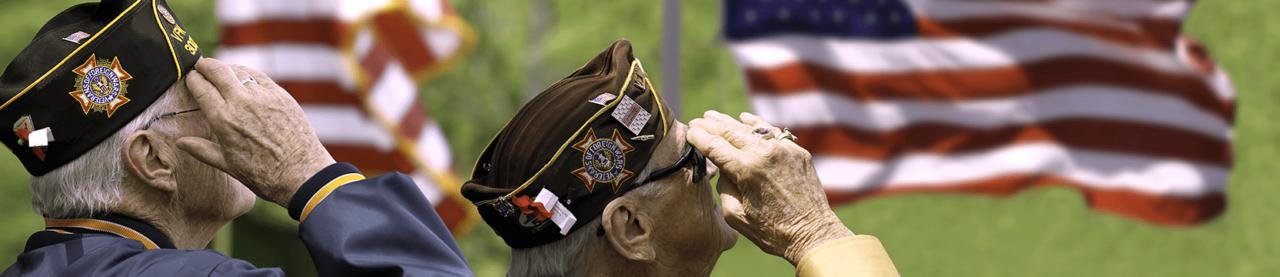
{"x":872,"y":19}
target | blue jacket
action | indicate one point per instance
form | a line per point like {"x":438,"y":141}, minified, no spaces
{"x":352,"y":226}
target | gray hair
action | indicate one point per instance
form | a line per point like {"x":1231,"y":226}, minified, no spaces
{"x":557,"y":258}
{"x":90,"y":184}
{"x":563,"y":257}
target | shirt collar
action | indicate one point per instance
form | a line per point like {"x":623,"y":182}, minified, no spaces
{"x":115,"y":224}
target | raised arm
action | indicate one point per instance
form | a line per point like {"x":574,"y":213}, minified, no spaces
{"x":353,"y":226}
{"x":771,"y":194}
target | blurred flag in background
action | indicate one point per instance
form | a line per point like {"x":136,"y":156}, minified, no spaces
{"x":994,"y":96}
{"x":354,"y":66}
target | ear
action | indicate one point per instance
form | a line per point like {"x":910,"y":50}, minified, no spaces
{"x":142,"y":158}
{"x":627,"y":230}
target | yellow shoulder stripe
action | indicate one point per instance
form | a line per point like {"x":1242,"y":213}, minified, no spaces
{"x":101,"y":225}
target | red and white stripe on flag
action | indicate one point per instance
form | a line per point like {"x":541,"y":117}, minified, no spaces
{"x":1107,"y":97}
{"x":354,"y":67}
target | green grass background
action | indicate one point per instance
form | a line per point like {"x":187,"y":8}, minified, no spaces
{"x":527,"y":45}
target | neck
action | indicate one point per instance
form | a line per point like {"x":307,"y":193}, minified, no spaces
{"x":188,"y":233}
{"x":187,"y":229}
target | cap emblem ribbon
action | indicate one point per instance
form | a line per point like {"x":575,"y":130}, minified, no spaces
{"x":38,"y":140}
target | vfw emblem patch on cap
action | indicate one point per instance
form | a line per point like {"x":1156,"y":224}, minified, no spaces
{"x":603,"y":160}
{"x":102,"y":85}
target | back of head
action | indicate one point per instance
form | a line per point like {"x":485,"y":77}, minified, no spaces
{"x":544,"y":180}
{"x":581,"y":141}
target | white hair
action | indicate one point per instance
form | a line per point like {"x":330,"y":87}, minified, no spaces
{"x":90,"y":184}
{"x":647,"y":190}
{"x":563,"y":257}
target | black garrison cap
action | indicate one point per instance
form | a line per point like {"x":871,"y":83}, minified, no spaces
{"x":88,"y":72}
{"x":583,"y":140}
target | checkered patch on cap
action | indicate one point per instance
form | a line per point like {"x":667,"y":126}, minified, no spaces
{"x":631,"y":114}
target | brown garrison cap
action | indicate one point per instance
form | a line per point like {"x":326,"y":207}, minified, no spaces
{"x":88,"y":72}
{"x":571,"y":150}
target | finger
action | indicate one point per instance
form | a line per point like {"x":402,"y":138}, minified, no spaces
{"x":720,"y":152}
{"x":221,"y":76}
{"x":754,"y":120}
{"x":262,"y":78}
{"x":243,"y":77}
{"x":205,"y":94}
{"x":716,"y":115}
{"x":758,"y":122}
{"x":251,"y":88}
{"x":727,"y":188}
{"x":738,"y":134}
{"x":204,"y":151}
{"x":731,"y":204}
{"x":270,"y":86}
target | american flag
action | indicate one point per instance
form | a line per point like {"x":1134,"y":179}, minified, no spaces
{"x":995,"y":96}
{"x":354,"y":66}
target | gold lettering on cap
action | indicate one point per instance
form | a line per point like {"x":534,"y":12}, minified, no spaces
{"x":178,"y":33}
{"x":191,"y":46}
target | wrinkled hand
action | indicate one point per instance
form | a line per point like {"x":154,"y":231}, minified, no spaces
{"x":769,"y":190}
{"x":265,"y":139}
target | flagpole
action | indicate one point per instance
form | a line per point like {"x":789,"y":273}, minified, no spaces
{"x":671,"y":54}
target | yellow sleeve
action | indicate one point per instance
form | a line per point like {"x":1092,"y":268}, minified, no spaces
{"x":860,"y":255}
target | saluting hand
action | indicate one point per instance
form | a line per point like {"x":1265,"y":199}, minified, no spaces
{"x":263,"y":138}
{"x":769,"y":189}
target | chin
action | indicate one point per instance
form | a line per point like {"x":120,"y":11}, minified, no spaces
{"x":245,"y":204}
{"x":245,"y":199}
{"x":729,"y":238}
{"x":239,"y":198}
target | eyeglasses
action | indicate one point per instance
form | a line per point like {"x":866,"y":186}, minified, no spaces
{"x":159,"y":116}
{"x":692,"y":157}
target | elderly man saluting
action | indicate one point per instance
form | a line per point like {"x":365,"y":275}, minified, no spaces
{"x":595,"y":177}
{"x":130,"y":151}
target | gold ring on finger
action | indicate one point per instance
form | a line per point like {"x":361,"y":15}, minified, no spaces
{"x":786,"y":134}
